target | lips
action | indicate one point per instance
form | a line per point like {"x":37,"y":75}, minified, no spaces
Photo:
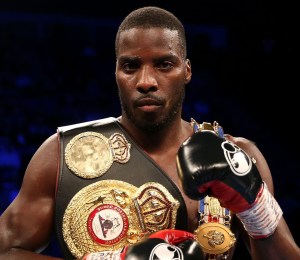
{"x":148,"y":102}
{"x":149,"y":105}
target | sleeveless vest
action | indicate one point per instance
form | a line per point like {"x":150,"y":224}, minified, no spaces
{"x":139,"y":170}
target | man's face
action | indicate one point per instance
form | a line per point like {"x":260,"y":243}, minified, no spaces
{"x":151,"y":74}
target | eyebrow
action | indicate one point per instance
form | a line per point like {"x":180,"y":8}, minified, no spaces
{"x":137,"y":58}
{"x":128,"y":59}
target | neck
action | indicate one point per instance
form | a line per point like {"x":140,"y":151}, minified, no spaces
{"x":172,"y":135}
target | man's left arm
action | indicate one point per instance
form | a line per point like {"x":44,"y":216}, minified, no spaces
{"x":282,"y":239}
{"x":233,"y":170}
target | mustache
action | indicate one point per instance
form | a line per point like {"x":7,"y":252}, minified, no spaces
{"x":148,"y":99}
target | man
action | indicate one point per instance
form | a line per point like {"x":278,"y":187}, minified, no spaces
{"x":117,"y":187}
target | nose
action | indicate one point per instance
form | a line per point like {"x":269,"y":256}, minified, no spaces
{"x":146,"y":80}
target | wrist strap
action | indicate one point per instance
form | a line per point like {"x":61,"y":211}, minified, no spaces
{"x":262,"y":219}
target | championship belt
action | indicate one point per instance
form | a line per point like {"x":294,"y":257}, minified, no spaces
{"x":213,"y":233}
{"x":91,"y":154}
{"x":110,"y":214}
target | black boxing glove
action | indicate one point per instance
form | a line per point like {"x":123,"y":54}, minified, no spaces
{"x":211,"y":165}
{"x":165,"y":244}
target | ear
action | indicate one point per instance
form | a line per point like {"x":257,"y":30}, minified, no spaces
{"x":188,"y":71}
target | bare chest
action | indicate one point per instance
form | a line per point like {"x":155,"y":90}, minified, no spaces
{"x":169,"y":167}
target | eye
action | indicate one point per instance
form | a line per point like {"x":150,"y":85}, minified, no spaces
{"x":165,"y":65}
{"x":129,"y":67}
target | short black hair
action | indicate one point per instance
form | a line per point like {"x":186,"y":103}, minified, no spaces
{"x":149,"y":17}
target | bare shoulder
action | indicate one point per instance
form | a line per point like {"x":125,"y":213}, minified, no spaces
{"x":42,"y":168}
{"x":28,"y":221}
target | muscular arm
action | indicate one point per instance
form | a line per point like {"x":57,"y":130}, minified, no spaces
{"x":27,"y":224}
{"x":281,"y":244}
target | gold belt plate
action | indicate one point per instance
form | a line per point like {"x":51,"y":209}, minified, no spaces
{"x":215,"y":238}
{"x":90,"y":154}
{"x":110,"y":214}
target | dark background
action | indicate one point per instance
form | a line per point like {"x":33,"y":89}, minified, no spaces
{"x":57,"y":68}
